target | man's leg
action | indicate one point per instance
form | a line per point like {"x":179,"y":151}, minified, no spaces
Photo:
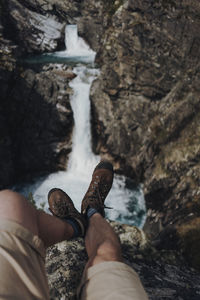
{"x":105,"y":275}
{"x":102,"y":243}
{"x":22,"y":251}
{"x":50,"y":229}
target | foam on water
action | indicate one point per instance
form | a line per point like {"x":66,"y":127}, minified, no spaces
{"x":128,"y":204}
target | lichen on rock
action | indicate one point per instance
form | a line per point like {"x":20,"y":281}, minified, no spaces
{"x":161,"y":274}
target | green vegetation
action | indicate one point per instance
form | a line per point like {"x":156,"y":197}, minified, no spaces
{"x":33,"y":202}
{"x":31,"y":199}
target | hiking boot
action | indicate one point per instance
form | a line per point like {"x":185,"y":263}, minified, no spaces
{"x":61,"y":206}
{"x":101,"y":183}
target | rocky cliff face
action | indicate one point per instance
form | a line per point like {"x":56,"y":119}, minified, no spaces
{"x":95,"y":19}
{"x":36,"y":123}
{"x":146,"y":110}
{"x":36,"y":118}
{"x":145,"y":104}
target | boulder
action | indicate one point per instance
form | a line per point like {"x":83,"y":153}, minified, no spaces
{"x":164,"y":275}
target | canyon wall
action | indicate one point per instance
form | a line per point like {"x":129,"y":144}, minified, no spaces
{"x":146,"y":106}
{"x":36,"y":119}
{"x":145,"y":103}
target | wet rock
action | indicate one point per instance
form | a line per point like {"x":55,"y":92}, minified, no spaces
{"x":32,"y":31}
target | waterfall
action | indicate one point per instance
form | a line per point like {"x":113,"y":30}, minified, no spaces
{"x":128,"y":205}
{"x":82,"y":158}
{"x":76,"y":48}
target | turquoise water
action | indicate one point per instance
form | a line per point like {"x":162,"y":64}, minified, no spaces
{"x":55,"y":59}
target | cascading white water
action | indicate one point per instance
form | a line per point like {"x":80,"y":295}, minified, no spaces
{"x":128,"y":205}
{"x":82,"y":159}
{"x":76,"y":47}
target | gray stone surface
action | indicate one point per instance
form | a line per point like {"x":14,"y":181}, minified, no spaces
{"x":161,"y":277}
{"x":146,"y":105}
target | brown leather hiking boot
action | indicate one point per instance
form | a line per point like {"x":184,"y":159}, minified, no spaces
{"x":61,"y":206}
{"x":101,"y":183}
